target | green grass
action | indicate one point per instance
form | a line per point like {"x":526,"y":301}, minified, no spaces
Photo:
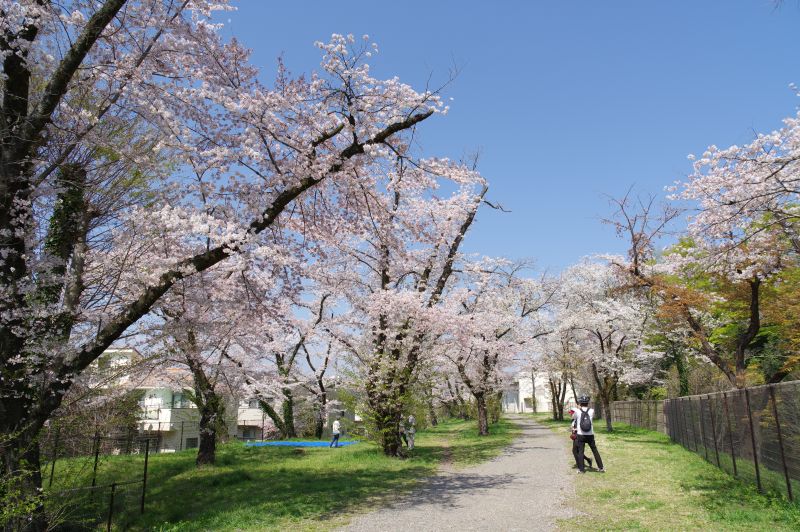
{"x":652,"y":483}
{"x":270,"y":488}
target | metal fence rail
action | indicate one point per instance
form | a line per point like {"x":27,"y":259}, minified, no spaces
{"x":79,"y":500}
{"x":644,"y":414}
{"x":752,"y":433}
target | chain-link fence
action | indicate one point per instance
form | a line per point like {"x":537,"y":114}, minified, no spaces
{"x":93,"y":481}
{"x":753,"y":433}
{"x":97,"y":476}
{"x":645,"y":414}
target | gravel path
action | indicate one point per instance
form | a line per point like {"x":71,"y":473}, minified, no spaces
{"x":527,"y":487}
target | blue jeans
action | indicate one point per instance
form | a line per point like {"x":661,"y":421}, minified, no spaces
{"x":335,"y":441}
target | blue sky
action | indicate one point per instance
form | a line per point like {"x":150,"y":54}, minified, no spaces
{"x":567,"y":101}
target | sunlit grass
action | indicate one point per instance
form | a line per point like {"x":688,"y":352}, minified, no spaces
{"x":272,"y":488}
{"x":652,"y":483}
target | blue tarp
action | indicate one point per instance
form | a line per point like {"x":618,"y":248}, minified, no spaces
{"x":295,"y":443}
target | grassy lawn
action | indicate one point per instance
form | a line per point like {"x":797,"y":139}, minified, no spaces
{"x":269,"y":488}
{"x":654,"y":484}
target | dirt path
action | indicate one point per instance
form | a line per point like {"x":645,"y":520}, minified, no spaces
{"x":527,"y":487}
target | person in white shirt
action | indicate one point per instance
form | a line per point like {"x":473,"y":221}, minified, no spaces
{"x":574,"y":438}
{"x":585,"y":433}
{"x":411,"y":429}
{"x":336,"y":429}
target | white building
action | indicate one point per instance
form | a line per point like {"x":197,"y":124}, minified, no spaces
{"x":166,"y":411}
{"x":529,"y":392}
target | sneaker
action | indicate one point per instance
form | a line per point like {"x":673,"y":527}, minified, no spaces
{"x":601,"y":470}
{"x":581,"y":472}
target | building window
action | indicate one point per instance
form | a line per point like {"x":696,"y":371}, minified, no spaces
{"x":179,"y":400}
{"x":191,"y":443}
{"x":528,"y":402}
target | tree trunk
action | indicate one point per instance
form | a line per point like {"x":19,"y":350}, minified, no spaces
{"x":607,"y":408}
{"x":572,"y":386}
{"x":495,"y":407}
{"x":212,"y":425}
{"x":387,"y":422}
{"x":288,"y":414}
{"x":598,"y":409}
{"x":22,"y":481}
{"x":210,"y":404}
{"x":432,"y":413}
{"x":319,"y":427}
{"x":683,"y":373}
{"x":207,"y":452}
{"x":558,"y":390}
{"x":319,"y":424}
{"x":562,"y":397}
{"x":483,"y":417}
{"x":274,"y":416}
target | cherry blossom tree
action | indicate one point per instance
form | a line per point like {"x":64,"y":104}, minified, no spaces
{"x":210,"y":315}
{"x":559,"y":358}
{"x":394,"y":273}
{"x":708,"y":269}
{"x":746,"y":227}
{"x":230,"y":162}
{"x":610,"y":320}
{"x":743,"y":192}
{"x":290,"y":340}
{"x":494,"y":321}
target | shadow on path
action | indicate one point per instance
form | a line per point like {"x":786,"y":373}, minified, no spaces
{"x":523,"y":488}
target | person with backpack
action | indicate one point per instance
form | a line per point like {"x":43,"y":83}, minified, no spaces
{"x":583,"y":419}
{"x":574,"y":437}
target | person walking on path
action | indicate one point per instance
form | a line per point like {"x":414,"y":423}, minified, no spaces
{"x":411,"y":429}
{"x":574,"y":436}
{"x":337,"y":428}
{"x":583,"y":419}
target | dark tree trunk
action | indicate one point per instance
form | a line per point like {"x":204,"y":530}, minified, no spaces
{"x":288,"y":414}
{"x":22,"y":476}
{"x":274,"y":416}
{"x":598,"y":408}
{"x":607,"y":408}
{"x":563,"y":389}
{"x":321,"y":405}
{"x":387,"y":422}
{"x":558,"y":390}
{"x":483,"y":415}
{"x":319,"y":424}
{"x":432,"y":413}
{"x":572,"y":386}
{"x":683,"y":373}
{"x":212,"y":423}
{"x":495,"y":408}
{"x":207,"y":452}
{"x":210,"y":404}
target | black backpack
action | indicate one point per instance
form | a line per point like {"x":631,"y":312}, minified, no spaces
{"x":586,"y":421}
